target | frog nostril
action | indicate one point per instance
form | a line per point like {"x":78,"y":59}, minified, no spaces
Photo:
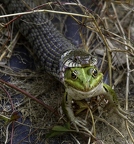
{"x":86,"y":84}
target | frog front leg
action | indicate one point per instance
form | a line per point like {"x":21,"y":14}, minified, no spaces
{"x":68,"y":110}
{"x":111,"y":96}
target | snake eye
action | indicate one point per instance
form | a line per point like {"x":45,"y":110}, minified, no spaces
{"x":74,"y":75}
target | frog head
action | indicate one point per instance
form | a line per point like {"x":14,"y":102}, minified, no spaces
{"x":83,"y":79}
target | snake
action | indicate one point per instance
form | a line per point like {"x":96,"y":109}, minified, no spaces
{"x":55,"y":52}
{"x":72,"y":66}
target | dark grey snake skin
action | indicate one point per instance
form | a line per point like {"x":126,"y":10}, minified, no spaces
{"x":48,"y":43}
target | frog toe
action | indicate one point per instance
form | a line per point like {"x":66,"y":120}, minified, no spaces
{"x":79,"y":123}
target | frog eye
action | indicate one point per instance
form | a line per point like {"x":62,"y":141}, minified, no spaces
{"x":74,"y":75}
{"x":93,"y":72}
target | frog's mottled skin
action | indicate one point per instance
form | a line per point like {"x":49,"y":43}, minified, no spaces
{"x":87,"y":82}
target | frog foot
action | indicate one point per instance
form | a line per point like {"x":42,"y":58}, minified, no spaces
{"x":80,"y":123}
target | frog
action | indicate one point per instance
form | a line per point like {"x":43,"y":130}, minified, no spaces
{"x":87,"y":82}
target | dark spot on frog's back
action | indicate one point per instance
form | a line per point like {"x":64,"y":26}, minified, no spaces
{"x":105,"y":89}
{"x":66,"y":96}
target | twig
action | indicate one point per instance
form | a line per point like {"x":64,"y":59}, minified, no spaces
{"x":30,"y":96}
{"x":44,"y":10}
{"x":8,"y":96}
{"x":103,"y":120}
{"x":128,"y":68}
{"x":107,"y":50}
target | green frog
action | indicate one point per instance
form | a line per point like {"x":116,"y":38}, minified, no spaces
{"x":87,"y":82}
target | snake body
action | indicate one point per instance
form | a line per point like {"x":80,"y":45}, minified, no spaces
{"x":54,"y":51}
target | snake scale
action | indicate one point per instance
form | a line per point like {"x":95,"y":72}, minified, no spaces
{"x":52,"y":48}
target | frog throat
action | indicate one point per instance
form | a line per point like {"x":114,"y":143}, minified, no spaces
{"x":83,"y":79}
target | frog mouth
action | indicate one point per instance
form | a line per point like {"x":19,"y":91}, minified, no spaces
{"x":79,"y":95}
{"x":92,"y":90}
{"x":88,"y":89}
